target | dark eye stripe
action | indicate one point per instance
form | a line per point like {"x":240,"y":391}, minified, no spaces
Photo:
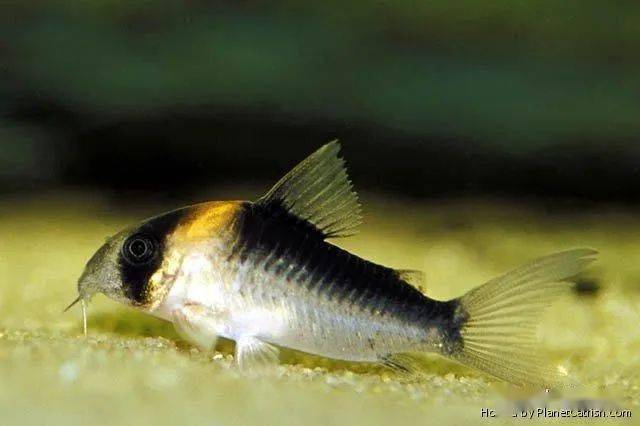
{"x":135,"y":271}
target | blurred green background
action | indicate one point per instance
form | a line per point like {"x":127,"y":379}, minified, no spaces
{"x":429,"y":98}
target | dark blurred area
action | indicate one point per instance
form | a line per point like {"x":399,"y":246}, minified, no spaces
{"x":536,"y":100}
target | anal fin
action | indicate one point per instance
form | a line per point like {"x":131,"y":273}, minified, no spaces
{"x":406,"y":364}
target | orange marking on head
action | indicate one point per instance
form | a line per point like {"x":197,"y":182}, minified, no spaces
{"x":208,"y":219}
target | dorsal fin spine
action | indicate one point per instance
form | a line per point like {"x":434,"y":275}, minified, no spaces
{"x":317,"y":191}
{"x":334,"y":196}
{"x":329,"y":214}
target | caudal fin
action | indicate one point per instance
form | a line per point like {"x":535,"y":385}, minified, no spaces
{"x":499,"y":319}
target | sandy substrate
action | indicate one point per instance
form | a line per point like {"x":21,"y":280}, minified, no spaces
{"x":134,"y":369}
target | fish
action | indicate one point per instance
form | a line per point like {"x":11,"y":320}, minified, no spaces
{"x":267,"y":275}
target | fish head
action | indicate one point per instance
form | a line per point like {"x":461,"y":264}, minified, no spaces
{"x":137,"y":265}
{"x":126,"y":267}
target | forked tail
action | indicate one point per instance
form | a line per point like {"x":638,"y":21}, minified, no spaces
{"x":498,"y":320}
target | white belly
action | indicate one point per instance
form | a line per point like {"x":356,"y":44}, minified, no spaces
{"x":231,"y":316}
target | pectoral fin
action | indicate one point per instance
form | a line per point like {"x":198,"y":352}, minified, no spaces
{"x":197,"y":325}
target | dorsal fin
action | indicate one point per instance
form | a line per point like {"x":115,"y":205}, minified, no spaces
{"x":319,"y":192}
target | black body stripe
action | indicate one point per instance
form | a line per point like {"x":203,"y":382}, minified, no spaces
{"x":328,"y":269}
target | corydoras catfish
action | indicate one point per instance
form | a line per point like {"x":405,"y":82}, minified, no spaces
{"x":264,"y":274}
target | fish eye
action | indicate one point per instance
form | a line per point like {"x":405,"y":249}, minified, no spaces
{"x":139,"y":249}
